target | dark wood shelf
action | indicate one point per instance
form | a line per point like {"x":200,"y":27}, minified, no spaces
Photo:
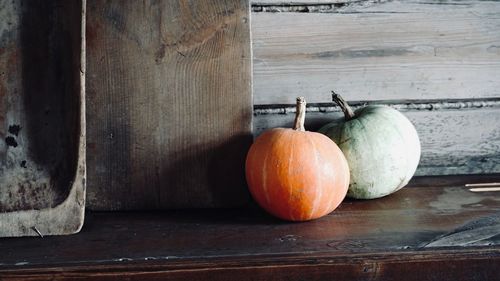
{"x":436,"y":229}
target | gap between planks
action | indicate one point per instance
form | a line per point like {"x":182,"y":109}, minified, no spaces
{"x":404,"y":105}
{"x":307,"y":6}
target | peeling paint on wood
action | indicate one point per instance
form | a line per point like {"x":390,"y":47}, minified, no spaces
{"x":306,"y":3}
{"x":350,"y":6}
{"x":426,"y":105}
{"x":311,"y":6}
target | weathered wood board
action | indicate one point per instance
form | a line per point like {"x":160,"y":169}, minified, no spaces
{"x":42,"y":117}
{"x":376,"y":50}
{"x":465,"y":141}
{"x":170,"y":103}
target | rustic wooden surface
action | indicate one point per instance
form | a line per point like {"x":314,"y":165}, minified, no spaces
{"x":42,"y":117}
{"x":463,"y":141}
{"x":430,"y":231}
{"x":377,"y":50}
{"x":384,"y":51}
{"x":170,"y":104}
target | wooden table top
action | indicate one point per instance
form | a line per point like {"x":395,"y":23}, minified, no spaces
{"x":435,"y":229}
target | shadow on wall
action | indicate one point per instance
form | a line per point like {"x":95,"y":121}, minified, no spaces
{"x":221,"y":166}
{"x":50,"y":96}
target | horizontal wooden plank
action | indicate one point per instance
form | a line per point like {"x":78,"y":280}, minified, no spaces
{"x":361,"y":239}
{"x":438,"y":265}
{"x":465,"y":141}
{"x":389,"y":50}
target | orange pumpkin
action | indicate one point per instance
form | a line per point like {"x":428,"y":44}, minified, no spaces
{"x":294,"y":174}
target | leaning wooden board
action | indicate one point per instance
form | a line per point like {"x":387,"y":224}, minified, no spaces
{"x":42,"y":117}
{"x":170,"y":103}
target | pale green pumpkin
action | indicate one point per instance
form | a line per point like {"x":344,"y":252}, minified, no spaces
{"x":381,"y":146}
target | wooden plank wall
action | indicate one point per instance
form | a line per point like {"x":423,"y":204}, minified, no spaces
{"x":436,"y":61}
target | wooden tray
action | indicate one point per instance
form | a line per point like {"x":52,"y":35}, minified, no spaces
{"x":42,"y":118}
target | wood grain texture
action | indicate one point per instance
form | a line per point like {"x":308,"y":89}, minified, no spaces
{"x":42,"y":117}
{"x":465,"y":141}
{"x":437,"y":265}
{"x":170,"y":103}
{"x":380,"y":239}
{"x":381,"y":50}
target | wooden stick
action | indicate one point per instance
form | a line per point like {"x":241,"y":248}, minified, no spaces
{"x":484,"y":189}
{"x":483,"y":184}
{"x":37,"y":231}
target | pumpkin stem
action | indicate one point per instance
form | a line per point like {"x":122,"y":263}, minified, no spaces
{"x":348,"y":112}
{"x":300,"y":116}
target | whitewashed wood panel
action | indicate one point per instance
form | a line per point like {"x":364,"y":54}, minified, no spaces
{"x":390,"y":50}
{"x":463,"y":141}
